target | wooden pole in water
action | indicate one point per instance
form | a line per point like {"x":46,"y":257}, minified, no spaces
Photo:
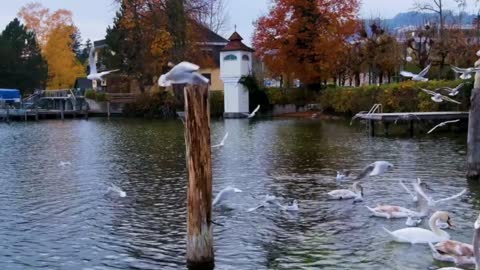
{"x":199,"y":164}
{"x":473,"y":137}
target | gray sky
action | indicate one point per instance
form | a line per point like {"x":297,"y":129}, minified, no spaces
{"x":93,"y":21}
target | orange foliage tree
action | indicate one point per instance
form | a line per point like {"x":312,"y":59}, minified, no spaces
{"x":303,"y":38}
{"x":55,"y":32}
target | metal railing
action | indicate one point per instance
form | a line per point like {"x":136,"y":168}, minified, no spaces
{"x":376,"y":108}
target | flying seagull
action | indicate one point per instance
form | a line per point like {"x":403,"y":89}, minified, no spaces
{"x":375,"y":168}
{"x":182,"y":73}
{"x":431,"y":201}
{"x":437,"y":97}
{"x":94,"y":75}
{"x":222,"y":143}
{"x":466,"y":73}
{"x":224,"y":193}
{"x":251,"y":115}
{"x":420,"y":77}
{"x":451,"y":91}
{"x":442,"y":124}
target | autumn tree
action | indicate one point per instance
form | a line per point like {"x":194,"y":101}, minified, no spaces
{"x":57,"y":36}
{"x":63,"y":65}
{"x":303,"y":38}
{"x":23,"y":66}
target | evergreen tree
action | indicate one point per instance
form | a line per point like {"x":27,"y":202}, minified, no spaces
{"x":21,"y":63}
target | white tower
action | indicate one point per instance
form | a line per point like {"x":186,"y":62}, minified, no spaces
{"x":235,"y":62}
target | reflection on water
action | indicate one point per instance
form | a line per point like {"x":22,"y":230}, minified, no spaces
{"x":58,"y":215}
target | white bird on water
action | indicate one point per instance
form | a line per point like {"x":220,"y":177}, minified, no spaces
{"x":417,"y":77}
{"x":64,"y":163}
{"x":251,"y":115}
{"x":343,"y":175}
{"x":182,"y":73}
{"x":268,"y":199}
{"x":466,"y":73}
{"x":94,"y":75}
{"x":375,"y":168}
{"x":437,"y":97}
{"x":224,"y":193}
{"x":442,"y":124}
{"x":222,"y":143}
{"x":113,"y":188}
{"x":293,"y":207}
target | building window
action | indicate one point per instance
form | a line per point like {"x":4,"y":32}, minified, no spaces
{"x":245,"y":58}
{"x":208,"y":76}
{"x":230,"y":57}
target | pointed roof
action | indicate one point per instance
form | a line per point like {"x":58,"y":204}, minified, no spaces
{"x":236,"y":44}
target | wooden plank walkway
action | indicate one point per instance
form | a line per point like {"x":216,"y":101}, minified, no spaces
{"x":387,"y":118}
{"x":392,"y":117}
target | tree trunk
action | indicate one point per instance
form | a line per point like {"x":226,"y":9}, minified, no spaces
{"x":473,"y":139}
{"x":199,"y":163}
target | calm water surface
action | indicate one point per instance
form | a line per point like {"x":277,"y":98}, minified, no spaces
{"x":60,"y":217}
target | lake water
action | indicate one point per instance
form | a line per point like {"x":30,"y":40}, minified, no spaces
{"x":61,"y":217}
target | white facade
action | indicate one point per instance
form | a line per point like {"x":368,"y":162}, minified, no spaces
{"x":234,"y":65}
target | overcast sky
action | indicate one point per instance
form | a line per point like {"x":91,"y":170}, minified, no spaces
{"x":93,"y":21}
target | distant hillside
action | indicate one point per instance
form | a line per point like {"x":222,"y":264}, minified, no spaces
{"x":413,"y":18}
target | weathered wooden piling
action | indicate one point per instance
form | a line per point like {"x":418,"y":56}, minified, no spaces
{"x":473,"y":137}
{"x":199,"y":163}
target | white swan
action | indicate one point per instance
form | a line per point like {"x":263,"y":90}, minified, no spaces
{"x":341,"y":194}
{"x":224,"y":193}
{"x":423,"y":236}
{"x":458,"y":252}
{"x":394,"y":211}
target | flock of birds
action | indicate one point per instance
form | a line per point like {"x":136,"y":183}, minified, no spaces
{"x":436,"y":237}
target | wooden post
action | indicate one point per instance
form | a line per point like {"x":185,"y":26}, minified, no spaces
{"x":372,"y":128}
{"x":62,"y":109}
{"x":199,"y":165}
{"x":36,"y":114}
{"x":108,"y":109}
{"x":386,"y":125}
{"x":473,"y":137}
{"x":411,"y":128}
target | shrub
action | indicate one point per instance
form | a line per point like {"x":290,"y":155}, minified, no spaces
{"x":90,"y":94}
{"x":152,"y":105}
{"x":216,"y":103}
{"x":396,"y":97}
{"x":101,"y":97}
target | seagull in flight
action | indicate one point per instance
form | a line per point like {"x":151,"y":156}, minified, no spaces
{"x":451,"y":91}
{"x":431,"y":201}
{"x":182,"y":73}
{"x":437,"y":97}
{"x":222,"y":143}
{"x":224,"y":193}
{"x":442,"y":124}
{"x":94,"y":75}
{"x":420,"y":77}
{"x":375,"y":168}
{"x":251,"y":115}
{"x":466,"y":73}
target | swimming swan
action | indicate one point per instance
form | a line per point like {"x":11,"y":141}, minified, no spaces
{"x":423,"y":236}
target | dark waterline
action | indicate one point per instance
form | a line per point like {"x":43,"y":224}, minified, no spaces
{"x":60,"y":217}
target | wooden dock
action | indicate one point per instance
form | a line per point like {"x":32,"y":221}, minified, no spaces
{"x":411,"y":117}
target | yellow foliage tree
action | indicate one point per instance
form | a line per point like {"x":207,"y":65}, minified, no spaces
{"x":54,"y":31}
{"x":63,"y":66}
